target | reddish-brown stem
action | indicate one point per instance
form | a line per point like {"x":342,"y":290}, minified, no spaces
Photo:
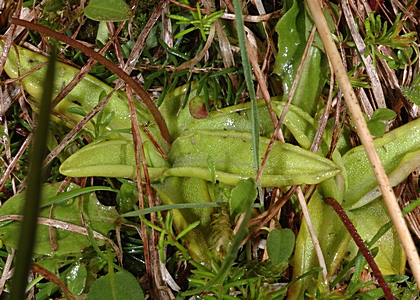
{"x":140,"y":158}
{"x":190,"y":8}
{"x":268,"y":215}
{"x":109,"y":65}
{"x":52,"y":278}
{"x":362,"y":247}
{"x":84,"y":71}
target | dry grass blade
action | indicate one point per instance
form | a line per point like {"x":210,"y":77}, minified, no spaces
{"x":15,"y":160}
{"x":367,"y":60}
{"x":77,"y":128}
{"x":315,"y":241}
{"x":224,"y":44}
{"x":7,"y":273}
{"x":367,"y":141}
{"x":299,"y":192}
{"x":150,"y":251}
{"x":191,"y":63}
{"x":138,"y":47}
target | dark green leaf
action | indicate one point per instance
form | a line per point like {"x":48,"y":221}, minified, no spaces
{"x":113,"y":286}
{"x":243,"y":195}
{"x":376,"y":125}
{"x":383,"y":114}
{"x":107,"y":120}
{"x":293,"y":31}
{"x":376,"y":128}
{"x":76,"y":278}
{"x":280,"y":245}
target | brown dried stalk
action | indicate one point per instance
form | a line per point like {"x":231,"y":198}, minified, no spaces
{"x":364,"y":134}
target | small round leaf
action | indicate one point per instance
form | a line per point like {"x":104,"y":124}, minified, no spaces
{"x":280,"y":245}
{"x":122,"y":285}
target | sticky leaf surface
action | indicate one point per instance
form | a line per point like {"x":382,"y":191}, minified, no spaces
{"x":102,"y":218}
{"x":108,"y":10}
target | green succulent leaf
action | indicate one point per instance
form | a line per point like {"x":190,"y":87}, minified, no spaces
{"x":333,"y":239}
{"x":233,"y":158}
{"x":369,"y":219}
{"x":293,"y":33}
{"x":114,"y":158}
{"x":177,"y":190}
{"x":392,"y":149}
{"x":21,"y":60}
{"x":102,"y":218}
{"x":108,"y":10}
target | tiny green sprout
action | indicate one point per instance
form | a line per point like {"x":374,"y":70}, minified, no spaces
{"x":198,"y":22}
{"x":212,"y":169}
{"x":53,"y":6}
{"x":376,"y":123}
{"x":377,"y":33}
{"x":358,"y":81}
{"x":102,"y":121}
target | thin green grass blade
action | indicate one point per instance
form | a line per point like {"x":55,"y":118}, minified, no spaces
{"x":74,"y":193}
{"x":248,"y":79}
{"x":34,"y":190}
{"x":149,"y":210}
